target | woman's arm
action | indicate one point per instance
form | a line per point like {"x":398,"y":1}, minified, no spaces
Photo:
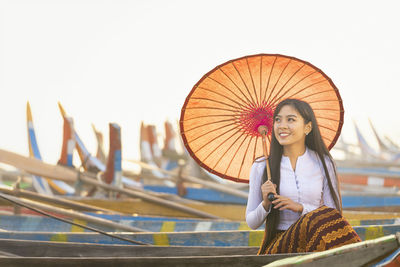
{"x":255,"y":211}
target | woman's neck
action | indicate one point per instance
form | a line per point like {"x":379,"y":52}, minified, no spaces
{"x":293,"y":152}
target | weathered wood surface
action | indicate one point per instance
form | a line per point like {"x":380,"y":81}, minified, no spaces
{"x":358,"y":254}
{"x":194,"y":261}
{"x":391,"y":260}
{"x":38,"y":167}
{"x":27,"y":248}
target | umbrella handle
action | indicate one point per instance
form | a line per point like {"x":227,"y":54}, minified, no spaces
{"x":263,"y":131}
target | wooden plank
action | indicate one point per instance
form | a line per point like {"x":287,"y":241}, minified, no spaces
{"x":199,"y":238}
{"x":357,"y":254}
{"x":195,"y":261}
{"x":391,"y":260}
{"x":75,"y":215}
{"x":46,"y":224}
{"x":37,"y":167}
{"x":53,"y":200}
{"x":27,"y":248}
{"x":41,"y":224}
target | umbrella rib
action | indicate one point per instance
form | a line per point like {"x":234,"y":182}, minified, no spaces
{"x":240,"y":90}
{"x":330,"y":129}
{"x":305,"y":77}
{"x":211,"y":132}
{"x":244,"y":155}
{"x":317,"y":93}
{"x":240,"y":105}
{"x":216,"y":101}
{"x":209,"y":123}
{"x":326,"y":139}
{"x":207,"y":116}
{"x":245,"y":85}
{"x":327,"y":109}
{"x":280,"y":90}
{"x":238,"y":97}
{"x":304,"y":88}
{"x":269,"y":77}
{"x":220,"y":158}
{"x":203,"y":160}
{"x":224,"y":109}
{"x":252,"y":82}
{"x":325,"y":118}
{"x":280,"y":75}
{"x":321,"y":101}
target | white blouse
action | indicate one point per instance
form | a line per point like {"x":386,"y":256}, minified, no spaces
{"x":307,"y":186}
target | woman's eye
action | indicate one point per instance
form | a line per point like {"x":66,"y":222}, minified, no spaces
{"x":290,"y":119}
{"x":277,"y":119}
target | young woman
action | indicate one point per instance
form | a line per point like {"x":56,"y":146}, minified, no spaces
{"x":305,"y":215}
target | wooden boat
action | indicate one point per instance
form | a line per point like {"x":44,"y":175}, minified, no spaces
{"x":200,"y":238}
{"x":36,"y":166}
{"x":391,"y":260}
{"x":16,"y":253}
{"x":366,"y":253}
{"x":365,"y":201}
{"x":37,"y":253}
{"x":41,"y":184}
{"x":29,"y":223}
{"x":100,"y":154}
{"x":225,"y":211}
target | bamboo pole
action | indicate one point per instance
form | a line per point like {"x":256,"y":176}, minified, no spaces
{"x":38,"y":167}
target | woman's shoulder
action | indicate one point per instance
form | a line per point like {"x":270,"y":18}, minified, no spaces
{"x":257,"y":169}
{"x":259,"y":162}
{"x":260,"y":159}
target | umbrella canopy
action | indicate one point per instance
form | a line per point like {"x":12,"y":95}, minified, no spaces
{"x":221,"y":115}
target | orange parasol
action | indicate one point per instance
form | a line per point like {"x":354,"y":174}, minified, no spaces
{"x":222,"y":115}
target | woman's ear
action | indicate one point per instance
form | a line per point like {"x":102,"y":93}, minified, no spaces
{"x":308,"y":128}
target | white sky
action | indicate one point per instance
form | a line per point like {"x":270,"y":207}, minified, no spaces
{"x":127,"y":61}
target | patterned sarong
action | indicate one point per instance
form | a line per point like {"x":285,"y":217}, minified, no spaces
{"x":318,"y":230}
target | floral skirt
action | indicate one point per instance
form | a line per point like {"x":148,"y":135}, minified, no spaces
{"x":318,"y":230}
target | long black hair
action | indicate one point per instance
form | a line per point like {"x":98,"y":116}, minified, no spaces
{"x":314,"y":142}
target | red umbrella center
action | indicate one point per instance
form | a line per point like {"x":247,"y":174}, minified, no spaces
{"x":256,"y":116}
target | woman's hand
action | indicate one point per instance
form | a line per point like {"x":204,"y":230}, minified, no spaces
{"x":285,"y":203}
{"x":266,"y":188}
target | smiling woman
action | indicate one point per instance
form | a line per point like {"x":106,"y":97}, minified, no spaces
{"x":305,"y":214}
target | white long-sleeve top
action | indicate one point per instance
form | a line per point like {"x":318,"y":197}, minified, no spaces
{"x":306,"y":185}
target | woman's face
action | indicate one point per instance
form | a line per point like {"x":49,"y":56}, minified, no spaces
{"x":289,"y":127}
